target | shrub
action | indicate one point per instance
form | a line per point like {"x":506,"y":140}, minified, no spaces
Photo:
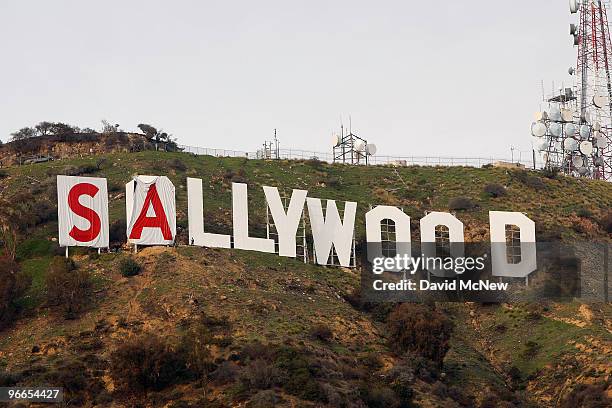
{"x":264,"y":399}
{"x":420,"y":329}
{"x":195,"y":345}
{"x":334,"y":182}
{"x":531,"y":349}
{"x":495,"y":190}
{"x":321,"y":332}
{"x":606,"y":222}
{"x":177,"y":165}
{"x":550,"y":173}
{"x":584,"y":212}
{"x":147,"y":363}
{"x":129,"y":267}
{"x":67,"y":286}
{"x":301,"y":374}
{"x":378,"y":397}
{"x":261,"y":375}
{"x":225,"y":373}
{"x":529,"y":180}
{"x":461,"y":203}
{"x":587,"y":396}
{"x":257,"y":350}
{"x":116,"y":233}
{"x":80,"y":170}
{"x":12,"y":286}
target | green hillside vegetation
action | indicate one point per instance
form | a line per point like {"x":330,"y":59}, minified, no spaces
{"x":188,"y":327}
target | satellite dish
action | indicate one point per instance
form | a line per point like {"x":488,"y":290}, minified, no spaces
{"x":577,"y":161}
{"x":571,"y":71}
{"x":583,"y":171}
{"x":360,"y":146}
{"x":573,"y":4}
{"x":567,"y":115}
{"x":573,"y":29}
{"x":555,"y":114}
{"x":539,"y":116}
{"x":570,"y":145}
{"x":555,"y":129}
{"x":586,"y":117}
{"x":570,"y":129}
{"x":543,"y":146}
{"x":599,"y":101}
{"x":597,"y":126}
{"x":336,"y":140}
{"x":371,"y":149}
{"x":585,"y":131}
{"x":586,"y":148}
{"x":538,"y":129}
{"x":600,"y":140}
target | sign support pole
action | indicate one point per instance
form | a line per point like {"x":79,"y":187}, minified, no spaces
{"x":66,"y":252}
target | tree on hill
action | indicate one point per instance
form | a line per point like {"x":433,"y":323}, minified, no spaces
{"x":23,"y":134}
{"x":44,"y":128}
{"x":152,"y":133}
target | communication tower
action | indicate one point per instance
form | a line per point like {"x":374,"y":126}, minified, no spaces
{"x":270,"y":149}
{"x":575,"y":134}
{"x":351,"y":149}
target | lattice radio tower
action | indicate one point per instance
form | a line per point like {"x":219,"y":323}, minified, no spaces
{"x":576,"y":132}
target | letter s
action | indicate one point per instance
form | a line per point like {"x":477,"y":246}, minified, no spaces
{"x":90,"y":215}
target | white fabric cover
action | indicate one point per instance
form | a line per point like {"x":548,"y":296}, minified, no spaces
{"x":84,"y":221}
{"x":136,"y":194}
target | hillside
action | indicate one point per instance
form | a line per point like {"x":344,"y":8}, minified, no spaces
{"x":269,"y":331}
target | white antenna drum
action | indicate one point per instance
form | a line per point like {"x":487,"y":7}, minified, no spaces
{"x":570,"y":145}
{"x":573,"y":5}
{"x":600,"y":140}
{"x":583,"y":171}
{"x":599,"y":101}
{"x":371,"y":149}
{"x":567,"y":115}
{"x":538,"y":129}
{"x":585,"y":131}
{"x":570,"y":129}
{"x":360,"y":146}
{"x":539,"y":116}
{"x":336,"y":140}
{"x":555,"y":114}
{"x":586,"y":148}
{"x":577,"y":161}
{"x":555,"y":129}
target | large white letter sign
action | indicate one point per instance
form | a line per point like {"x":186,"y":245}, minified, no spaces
{"x":330,"y":230}
{"x":151,"y":210}
{"x":240,"y":209}
{"x":428,"y":239}
{"x":286,"y":223}
{"x":82,"y":208}
{"x":373,"y":218}
{"x":195,"y":214}
{"x":499,"y":260}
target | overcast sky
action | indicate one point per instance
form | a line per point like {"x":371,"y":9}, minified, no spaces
{"x":451,"y":78}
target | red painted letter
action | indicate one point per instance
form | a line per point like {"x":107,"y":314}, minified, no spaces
{"x":159,"y":221}
{"x":90,"y":215}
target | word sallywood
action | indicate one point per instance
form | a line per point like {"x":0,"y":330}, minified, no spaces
{"x":151,"y":220}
